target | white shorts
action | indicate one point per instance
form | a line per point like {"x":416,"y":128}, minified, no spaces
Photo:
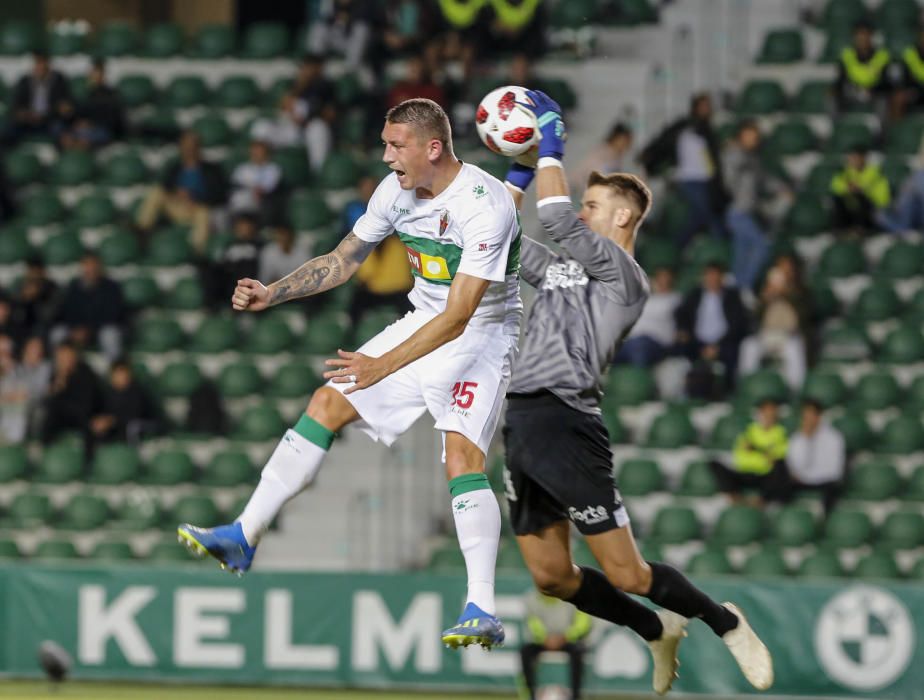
{"x":462,"y":383}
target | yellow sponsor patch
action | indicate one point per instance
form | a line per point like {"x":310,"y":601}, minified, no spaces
{"x":428,"y":266}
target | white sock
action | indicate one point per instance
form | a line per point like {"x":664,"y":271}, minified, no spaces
{"x":478,"y":523}
{"x":292,"y":466}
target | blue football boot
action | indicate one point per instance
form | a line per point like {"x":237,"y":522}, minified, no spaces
{"x":475,"y":626}
{"x":226,"y":543}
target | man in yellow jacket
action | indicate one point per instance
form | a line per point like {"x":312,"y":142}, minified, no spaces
{"x":860,"y":191}
{"x":758,"y":459}
{"x":863,"y":78}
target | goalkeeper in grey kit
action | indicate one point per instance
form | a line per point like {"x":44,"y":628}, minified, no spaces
{"x":558,"y":458}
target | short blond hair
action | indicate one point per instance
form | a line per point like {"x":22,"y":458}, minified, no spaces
{"x":426,"y":116}
{"x":626,"y":185}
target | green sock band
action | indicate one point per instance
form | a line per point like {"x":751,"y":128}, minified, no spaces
{"x":314,"y":432}
{"x":468,"y":482}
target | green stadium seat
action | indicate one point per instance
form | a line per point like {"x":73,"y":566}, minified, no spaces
{"x":874,"y":481}
{"x":187,"y":295}
{"x":848,"y":133}
{"x":639,"y":477}
{"x":84,"y":512}
{"x":824,"y":300}
{"x":29,"y":509}
{"x":826,"y":387}
{"x":654,"y":252}
{"x":821,"y":564}
{"x":697,"y":480}
{"x":136,"y":90}
{"x":896,"y":171}
{"x":707,"y":249}
{"x":169,"y":551}
{"x":672,"y":429}
{"x":18,"y":38}
{"x":237,"y":91}
{"x":9,"y":549}
{"x":169,"y":248}
{"x":240,"y":379}
{"x":844,"y":342}
{"x":113,"y":550}
{"x":14,"y":463}
{"x":179,"y":379}
{"x":904,"y":345}
{"x":119,"y":248}
{"x":213,"y":130}
{"x":914,"y":395}
{"x":23,"y":167}
{"x":260,"y":423}
{"x":138,"y":512}
{"x":914,"y":309}
{"x":794,"y":526}
{"x":213,"y":41}
{"x":739,"y":525}
{"x":339,"y":170}
{"x":447,"y":558}
{"x":94,"y":210}
{"x":818,"y":182}
{"x":876,"y":391}
{"x":898,"y":13}
{"x":848,"y":528}
{"x":561,"y":91}
{"x":73,"y":168}
{"x":807,"y":216}
{"x":903,"y":138}
{"x":843,"y":13}
{"x":215,"y":334}
{"x":157,"y":335}
{"x":229,"y":468}
{"x":63,"y":42}
{"x":163,"y":41}
{"x":294,"y":381}
{"x":878,"y":302}
{"x":842,"y":259}
{"x":55,"y":549}
{"x":633,"y":12}
{"x":270,"y":336}
{"x":125,"y":170}
{"x":836,"y":40}
{"x":308,"y":211}
{"x":761,"y":97}
{"x":196,"y":509}
{"x":782,"y":46}
{"x":115,"y":464}
{"x":614,"y":427}
{"x":675,"y":525}
{"x":140,"y":291}
{"x":791,"y":138}
{"x":856,"y":431}
{"x":371,"y":324}
{"x":727,"y":429}
{"x":901,"y":435}
{"x":917,"y":571}
{"x":574,"y":14}
{"x":761,"y":385}
{"x":170,"y":467}
{"x":276,"y":90}
{"x":902,"y":260}
{"x":877,"y":565}
{"x":296,"y":172}
{"x":902,"y":530}
{"x":813,"y":97}
{"x":765,"y":562}
{"x":59,"y":464}
{"x":117,"y":39}
{"x":265,"y":40}
{"x":709,"y":562}
{"x":186,"y":91}
{"x":326,"y":332}
{"x":348,"y":89}
{"x":628,"y":385}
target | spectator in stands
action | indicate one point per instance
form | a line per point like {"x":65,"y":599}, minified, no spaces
{"x":416,"y":83}
{"x":907,"y":211}
{"x":7,"y":201}
{"x":611,"y":156}
{"x":711,"y":322}
{"x":860,"y":193}
{"x":98,"y":118}
{"x":74,"y":396}
{"x":92,"y":311}
{"x":283,"y":254}
{"x":862,"y":75}
{"x":653,"y":335}
{"x":23,"y":385}
{"x":189,"y":188}
{"x":783,"y":318}
{"x":554,"y":625}
{"x":128,"y":411}
{"x":41,"y":102}
{"x":355,"y":208}
{"x":256,"y":183}
{"x":909,"y":92}
{"x":519,"y":23}
{"x":692,"y":146}
{"x":407,"y":24}
{"x":240,"y":259}
{"x":344,"y":29}
{"x":35,"y":302}
{"x":749,"y":183}
{"x":817,"y":457}
{"x":758,"y":459}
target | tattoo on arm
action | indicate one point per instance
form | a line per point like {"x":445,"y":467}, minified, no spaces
{"x":322,"y":273}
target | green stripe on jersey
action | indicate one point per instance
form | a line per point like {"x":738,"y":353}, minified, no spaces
{"x":431,"y":260}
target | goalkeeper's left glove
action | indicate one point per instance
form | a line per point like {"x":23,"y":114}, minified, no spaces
{"x":551,"y":126}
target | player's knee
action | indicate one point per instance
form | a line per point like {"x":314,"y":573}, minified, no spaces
{"x":556,"y":581}
{"x":330,"y":409}
{"x":462,"y":456}
{"x":633,"y":578}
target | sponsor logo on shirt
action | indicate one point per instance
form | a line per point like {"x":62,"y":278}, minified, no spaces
{"x":565,"y":275}
{"x":400,"y":210}
{"x":479,"y":191}
{"x":591,"y":515}
{"x":429,"y":267}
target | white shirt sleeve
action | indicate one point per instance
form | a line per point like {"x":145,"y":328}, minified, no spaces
{"x":375,"y":224}
{"x":487,"y":238}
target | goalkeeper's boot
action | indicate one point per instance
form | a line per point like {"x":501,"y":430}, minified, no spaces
{"x":750,"y":653}
{"x":226,"y":543}
{"x":474,"y":626}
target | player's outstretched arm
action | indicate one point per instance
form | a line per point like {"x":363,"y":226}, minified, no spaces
{"x":315,"y":276}
{"x":464,"y":296}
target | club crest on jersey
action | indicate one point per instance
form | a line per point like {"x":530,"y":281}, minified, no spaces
{"x":444,"y":221}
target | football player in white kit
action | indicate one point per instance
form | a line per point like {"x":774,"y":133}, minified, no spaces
{"x":451,"y":356}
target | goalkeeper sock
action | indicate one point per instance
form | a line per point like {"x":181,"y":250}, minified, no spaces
{"x":292,"y":466}
{"x":478,"y":521}
{"x":672,"y":590}
{"x":600,"y":598}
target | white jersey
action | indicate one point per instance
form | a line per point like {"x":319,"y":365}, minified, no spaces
{"x":471,"y":227}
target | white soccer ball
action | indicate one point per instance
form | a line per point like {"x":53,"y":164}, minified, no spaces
{"x":504,"y":126}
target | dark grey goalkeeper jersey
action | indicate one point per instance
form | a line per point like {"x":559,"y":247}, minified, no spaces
{"x":588,"y":301}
